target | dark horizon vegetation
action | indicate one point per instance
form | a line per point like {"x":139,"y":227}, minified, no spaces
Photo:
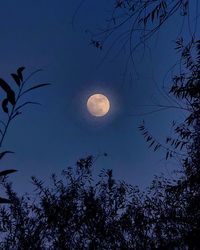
{"x":82,"y":211}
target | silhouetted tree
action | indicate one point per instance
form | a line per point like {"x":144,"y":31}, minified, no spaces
{"x":179,"y":200}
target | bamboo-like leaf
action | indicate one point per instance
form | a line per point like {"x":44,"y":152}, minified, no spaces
{"x":19,"y":73}
{"x":10,"y":93}
{"x":6,"y":172}
{"x":16,"y":78}
{"x":149,"y":138}
{"x":36,"y":87}
{"x":153,"y":14}
{"x":167,"y":155}
{"x":151,"y":144}
{"x":2,"y":154}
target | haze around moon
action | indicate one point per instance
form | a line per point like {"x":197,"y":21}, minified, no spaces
{"x":98,"y":105}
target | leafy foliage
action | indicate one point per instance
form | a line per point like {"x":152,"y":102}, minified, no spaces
{"x":76,"y":212}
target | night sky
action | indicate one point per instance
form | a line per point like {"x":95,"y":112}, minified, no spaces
{"x":39,"y":34}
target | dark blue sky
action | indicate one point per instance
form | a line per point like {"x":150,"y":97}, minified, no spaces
{"x":39,"y":34}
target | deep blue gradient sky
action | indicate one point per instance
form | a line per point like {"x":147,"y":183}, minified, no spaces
{"x":46,"y":139}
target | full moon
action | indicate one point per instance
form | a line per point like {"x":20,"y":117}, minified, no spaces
{"x":98,"y":105}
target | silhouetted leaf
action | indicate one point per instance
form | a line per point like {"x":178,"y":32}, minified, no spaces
{"x":153,"y":14}
{"x":4,"y":105}
{"x":36,"y":87}
{"x":2,"y":154}
{"x":6,"y":172}
{"x":10,"y":93}
{"x":19,"y":72}
{"x":149,"y":138}
{"x":157,"y":147}
{"x":151,"y":144}
{"x":16,"y":78}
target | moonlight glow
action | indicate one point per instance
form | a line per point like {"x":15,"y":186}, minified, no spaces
{"x":98,"y":105}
